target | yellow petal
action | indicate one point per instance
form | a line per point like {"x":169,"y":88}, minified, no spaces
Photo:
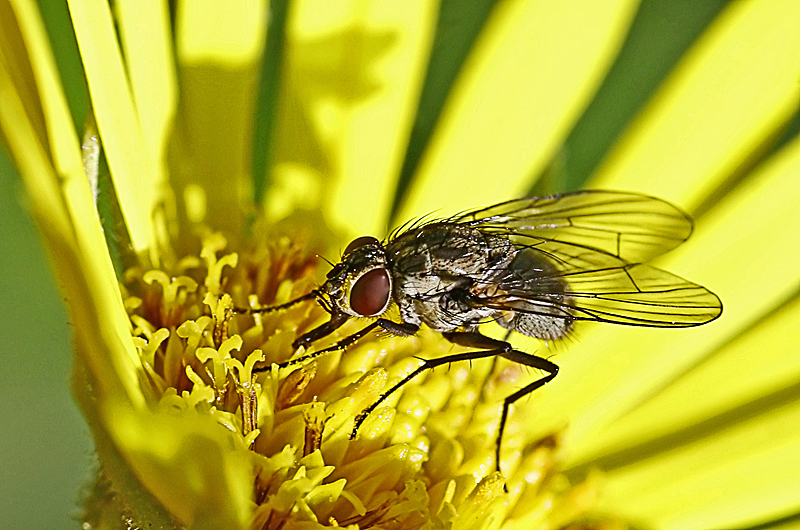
{"x":61,"y":202}
{"x":211,"y":32}
{"x":161,"y":451}
{"x":367,"y":140}
{"x":756,"y":372}
{"x":351,"y":80}
{"x":732,"y":478}
{"x":602,"y":377}
{"x":146,"y":36}
{"x":190,"y":464}
{"x":218,"y":48}
{"x":133,"y":171}
{"x":729,"y":94}
{"x":533,"y":70}
{"x":169,"y":466}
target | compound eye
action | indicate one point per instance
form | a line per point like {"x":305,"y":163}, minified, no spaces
{"x":370,"y":293}
{"x":360,"y":242}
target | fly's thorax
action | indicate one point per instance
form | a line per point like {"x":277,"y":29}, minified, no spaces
{"x":361,"y":284}
{"x":435,"y":265}
{"x":441,"y":256}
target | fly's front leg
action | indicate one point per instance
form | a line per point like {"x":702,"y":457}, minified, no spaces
{"x":336,"y":321}
{"x":505,"y":350}
{"x":401,"y":329}
{"x":270,"y":309}
{"x":397,"y":328}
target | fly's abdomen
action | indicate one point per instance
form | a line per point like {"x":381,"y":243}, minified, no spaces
{"x":535,"y":297}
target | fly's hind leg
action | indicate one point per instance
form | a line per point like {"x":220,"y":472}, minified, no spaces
{"x":488,"y":347}
{"x":505,"y":350}
{"x":426,"y":365}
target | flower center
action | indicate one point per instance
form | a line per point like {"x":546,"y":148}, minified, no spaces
{"x":428,"y":454}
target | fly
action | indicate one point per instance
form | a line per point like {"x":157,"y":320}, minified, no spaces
{"x":535,"y":266}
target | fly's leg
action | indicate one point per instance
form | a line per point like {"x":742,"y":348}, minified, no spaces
{"x":527,"y":360}
{"x":341,"y":345}
{"x":494,"y":361}
{"x":397,"y":328}
{"x":336,"y":321}
{"x":400,"y":329}
{"x":269,"y":309}
{"x":338,"y":318}
{"x":505,"y":350}
{"x":428,"y":365}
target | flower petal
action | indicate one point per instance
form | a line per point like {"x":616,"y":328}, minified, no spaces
{"x":352,"y":79}
{"x":188,"y":464}
{"x":63,"y":207}
{"x":732,"y":386}
{"x":729,"y":374}
{"x":532,"y":72}
{"x":218,"y":48}
{"x":107,"y":365}
{"x":136,"y":177}
{"x":730,"y":94}
{"x":371,"y":137}
{"x":168,"y":466}
{"x":732,"y":478}
{"x":146,"y":38}
{"x":602,"y":377}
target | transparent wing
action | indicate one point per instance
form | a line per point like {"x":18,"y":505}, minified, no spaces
{"x":634,"y":295}
{"x":632,"y":227}
{"x":551,"y":278}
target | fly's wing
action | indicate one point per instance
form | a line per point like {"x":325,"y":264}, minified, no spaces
{"x":581,"y":256}
{"x":554,"y":279}
{"x":634,"y":228}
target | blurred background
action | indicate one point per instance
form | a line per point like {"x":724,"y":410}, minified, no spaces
{"x":45,"y":447}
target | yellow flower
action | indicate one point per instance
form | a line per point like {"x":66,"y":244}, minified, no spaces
{"x":147,"y":215}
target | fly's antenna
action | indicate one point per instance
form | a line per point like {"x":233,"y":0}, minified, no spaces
{"x":326,"y":260}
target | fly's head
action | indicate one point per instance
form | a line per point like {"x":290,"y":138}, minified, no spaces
{"x":360,"y":285}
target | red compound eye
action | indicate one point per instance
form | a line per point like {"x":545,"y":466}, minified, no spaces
{"x":370,"y":293}
{"x":360,"y":242}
